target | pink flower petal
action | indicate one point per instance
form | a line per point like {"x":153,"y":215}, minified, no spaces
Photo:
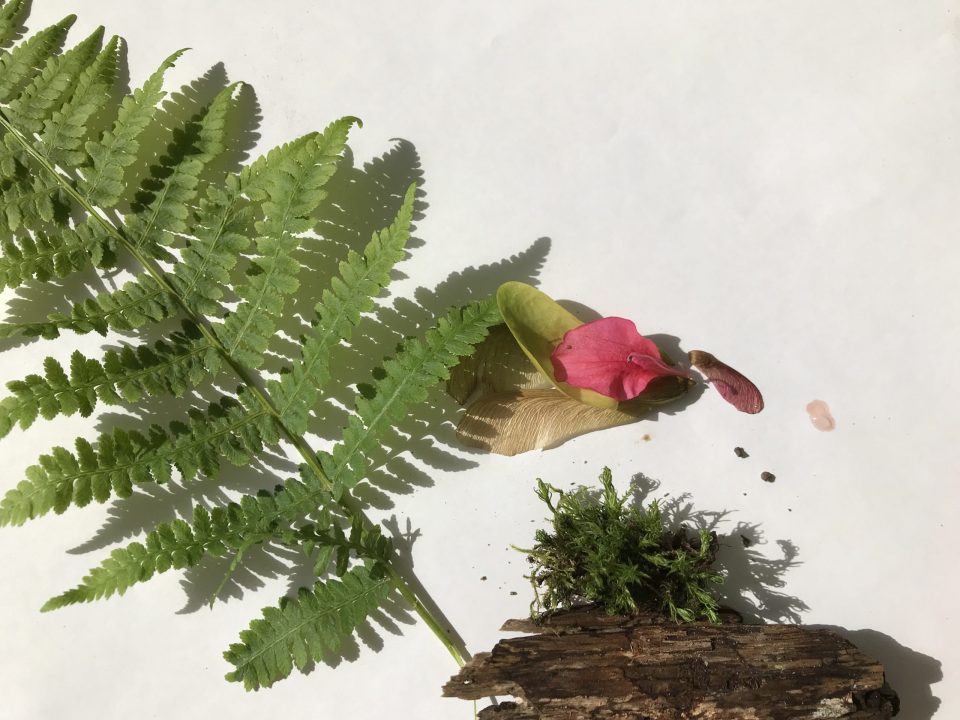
{"x":733,"y":387}
{"x":610,"y":357}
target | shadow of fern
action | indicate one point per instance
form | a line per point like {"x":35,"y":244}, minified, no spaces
{"x":753,"y":582}
{"x":260,"y":564}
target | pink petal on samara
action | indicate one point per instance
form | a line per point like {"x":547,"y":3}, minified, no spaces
{"x":733,"y":387}
{"x":610,"y":357}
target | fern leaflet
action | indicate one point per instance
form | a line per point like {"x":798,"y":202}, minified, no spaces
{"x":293,"y":184}
{"x":169,"y":367}
{"x":302,"y":629}
{"x":122,"y":458}
{"x":10,"y":14}
{"x":102,"y":184}
{"x":47,"y":255}
{"x":53,"y":86}
{"x":422,"y":364}
{"x":137,"y":303}
{"x":361,"y":278}
{"x":215,"y":532}
{"x":19,"y":65}
{"x":64,"y":133}
{"x":162,"y":211}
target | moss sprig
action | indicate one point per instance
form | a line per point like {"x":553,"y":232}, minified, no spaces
{"x":609,"y":549}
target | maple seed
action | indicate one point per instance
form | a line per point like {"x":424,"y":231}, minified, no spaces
{"x":733,"y":386}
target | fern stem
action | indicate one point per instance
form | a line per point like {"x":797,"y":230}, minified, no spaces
{"x":426,"y":616}
{"x":301,"y":445}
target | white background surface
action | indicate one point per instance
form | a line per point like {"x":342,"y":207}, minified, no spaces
{"x":775,"y":182}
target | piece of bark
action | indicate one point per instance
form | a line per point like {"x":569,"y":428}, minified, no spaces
{"x":586,"y":665}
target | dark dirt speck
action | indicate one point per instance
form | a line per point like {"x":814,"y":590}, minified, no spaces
{"x":767,"y":476}
{"x":740,"y":452}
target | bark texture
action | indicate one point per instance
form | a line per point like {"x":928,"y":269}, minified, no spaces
{"x":586,"y":665}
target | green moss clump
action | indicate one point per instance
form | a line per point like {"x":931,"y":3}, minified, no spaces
{"x":606,"y":549}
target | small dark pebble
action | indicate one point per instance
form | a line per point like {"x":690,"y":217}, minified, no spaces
{"x":740,"y":452}
{"x":767,"y":476}
{"x":747,"y":542}
{"x":513,"y":592}
{"x":484,"y":577}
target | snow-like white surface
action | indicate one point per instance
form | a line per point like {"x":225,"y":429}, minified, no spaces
{"x":775,"y":182}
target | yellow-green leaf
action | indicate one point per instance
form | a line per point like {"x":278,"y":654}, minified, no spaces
{"x":539,"y":323}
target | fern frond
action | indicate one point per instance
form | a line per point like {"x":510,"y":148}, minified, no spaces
{"x":137,"y":303}
{"x":163,"y":210}
{"x":102,"y":184}
{"x":169,"y":367}
{"x":120,"y":459}
{"x":361,"y":279}
{"x":10,"y":14}
{"x":53,"y":255}
{"x":52,"y":87}
{"x":293,"y":184}
{"x":19,"y":66}
{"x":64,"y":133}
{"x":206,"y":261}
{"x":302,"y":629}
{"x":421,"y":364}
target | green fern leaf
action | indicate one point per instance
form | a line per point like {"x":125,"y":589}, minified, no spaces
{"x":162,"y":211}
{"x":10,"y":16}
{"x":302,"y":629}
{"x":119,"y":460}
{"x":19,"y":66}
{"x":44,"y":256}
{"x":169,"y":367}
{"x":361,"y":279}
{"x":216,"y":532}
{"x":254,"y":175}
{"x":64,"y":133}
{"x":421,"y":364}
{"x":293,"y":184}
{"x":139,"y":302}
{"x":206,"y":262}
{"x":27,"y":198}
{"x":53,"y":86}
{"x":175,"y":545}
{"x":103,"y":183}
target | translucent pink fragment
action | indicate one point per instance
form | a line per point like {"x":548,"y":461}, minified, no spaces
{"x":610,"y":357}
{"x":733,"y":387}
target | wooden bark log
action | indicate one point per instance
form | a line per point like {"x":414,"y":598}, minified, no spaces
{"x":586,"y":665}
